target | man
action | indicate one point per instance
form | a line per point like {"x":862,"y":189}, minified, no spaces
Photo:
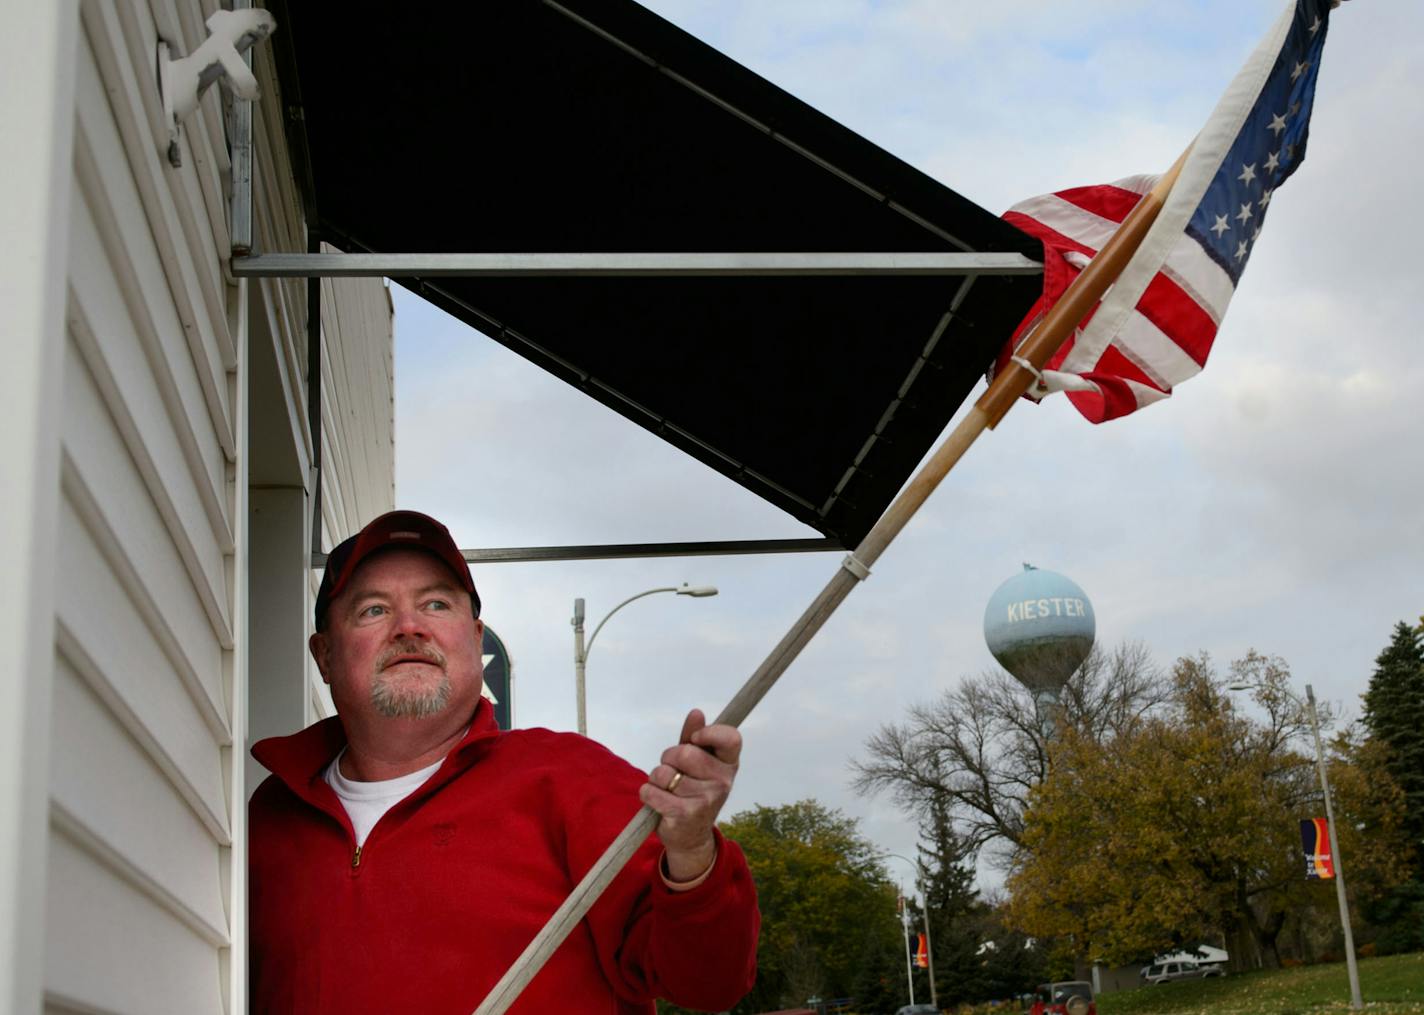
{"x":404,"y":852}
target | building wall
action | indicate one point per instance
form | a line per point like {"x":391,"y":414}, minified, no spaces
{"x":143,"y":712}
{"x":357,"y":427}
{"x":142,"y":525}
{"x":1107,"y":980}
{"x":36,"y":135}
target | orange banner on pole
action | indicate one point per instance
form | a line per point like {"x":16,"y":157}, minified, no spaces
{"x":922,"y":954}
{"x":1315,"y":840}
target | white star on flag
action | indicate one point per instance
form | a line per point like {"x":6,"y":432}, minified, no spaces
{"x":1220,"y":226}
{"x":1248,"y":173}
{"x":1277,"y":124}
{"x":1273,"y":162}
{"x":1244,"y":213}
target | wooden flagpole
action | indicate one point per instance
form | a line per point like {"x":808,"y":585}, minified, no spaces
{"x":1007,"y":387}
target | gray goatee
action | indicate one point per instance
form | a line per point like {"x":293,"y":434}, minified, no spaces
{"x":404,"y":699}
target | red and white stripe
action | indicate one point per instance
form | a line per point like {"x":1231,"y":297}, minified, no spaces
{"x":1168,"y":335}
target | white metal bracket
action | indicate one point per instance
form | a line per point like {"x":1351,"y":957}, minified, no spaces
{"x":856,"y":567}
{"x":182,"y":81}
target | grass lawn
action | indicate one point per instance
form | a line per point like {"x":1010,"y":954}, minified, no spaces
{"x":1393,"y":985}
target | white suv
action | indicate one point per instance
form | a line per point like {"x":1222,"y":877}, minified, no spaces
{"x":1161,"y":972}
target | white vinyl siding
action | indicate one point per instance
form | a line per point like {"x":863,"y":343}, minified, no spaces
{"x":357,"y":360}
{"x":140,"y":894}
{"x":36,"y":135}
{"x":144,"y":885}
{"x":358,"y":423}
{"x":357,"y":354}
{"x":357,"y":409}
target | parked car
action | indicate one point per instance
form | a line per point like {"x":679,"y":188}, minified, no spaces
{"x":1069,"y":997}
{"x":1162,"y":972}
{"x":917,"y":1009}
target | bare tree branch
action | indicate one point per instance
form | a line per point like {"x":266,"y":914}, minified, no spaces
{"x":980,"y":746}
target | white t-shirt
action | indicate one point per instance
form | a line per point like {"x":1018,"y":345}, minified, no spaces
{"x":365,"y":802}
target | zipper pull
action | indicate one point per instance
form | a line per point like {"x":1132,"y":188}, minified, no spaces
{"x":356,"y":858}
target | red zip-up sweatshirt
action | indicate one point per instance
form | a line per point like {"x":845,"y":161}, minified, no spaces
{"x":456,"y":879}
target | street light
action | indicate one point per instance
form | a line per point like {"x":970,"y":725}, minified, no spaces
{"x":1356,"y":1000}
{"x":905,"y":920}
{"x":905,"y":929}
{"x":581,"y":650}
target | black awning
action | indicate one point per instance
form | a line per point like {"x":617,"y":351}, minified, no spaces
{"x":521,"y":126}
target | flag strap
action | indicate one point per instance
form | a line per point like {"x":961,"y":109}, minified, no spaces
{"x":1033,"y":370}
{"x":1005,"y":390}
{"x":1077,"y":300}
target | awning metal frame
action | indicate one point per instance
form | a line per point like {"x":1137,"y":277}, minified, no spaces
{"x":620,"y":265}
{"x":627,"y":551}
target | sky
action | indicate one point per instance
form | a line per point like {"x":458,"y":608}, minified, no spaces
{"x":1274,"y":502}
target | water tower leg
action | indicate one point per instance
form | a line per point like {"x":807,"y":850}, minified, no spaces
{"x":1045,"y":707}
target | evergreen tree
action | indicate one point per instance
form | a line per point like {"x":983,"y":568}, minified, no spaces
{"x":949,"y":889}
{"x":1394,"y":716}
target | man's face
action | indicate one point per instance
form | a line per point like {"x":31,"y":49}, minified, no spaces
{"x":400,"y":641}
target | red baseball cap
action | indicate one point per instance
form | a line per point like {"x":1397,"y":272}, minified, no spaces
{"x":403,"y":529}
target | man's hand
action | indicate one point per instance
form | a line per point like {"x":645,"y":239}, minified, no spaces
{"x":706,"y":756}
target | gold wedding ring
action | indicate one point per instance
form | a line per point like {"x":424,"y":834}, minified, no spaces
{"x":674,"y":781}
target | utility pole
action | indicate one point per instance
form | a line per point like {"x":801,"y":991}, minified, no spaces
{"x":929,"y":949}
{"x":1356,"y":999}
{"x":922,"y":882}
{"x":579,"y":659}
{"x":909,"y":966}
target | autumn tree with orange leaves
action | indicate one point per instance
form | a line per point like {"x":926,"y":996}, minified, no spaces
{"x":1185,"y":826}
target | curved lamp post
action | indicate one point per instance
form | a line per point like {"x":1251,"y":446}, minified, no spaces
{"x":905,"y":919}
{"x":581,"y":650}
{"x":1356,"y":1000}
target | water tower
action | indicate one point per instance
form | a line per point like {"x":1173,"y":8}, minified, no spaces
{"x":1039,"y":625}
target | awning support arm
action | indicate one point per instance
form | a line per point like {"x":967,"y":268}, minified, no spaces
{"x":626,"y":551}
{"x":644,"y":265}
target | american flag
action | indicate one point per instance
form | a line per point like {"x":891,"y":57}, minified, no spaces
{"x":1155,"y":327}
